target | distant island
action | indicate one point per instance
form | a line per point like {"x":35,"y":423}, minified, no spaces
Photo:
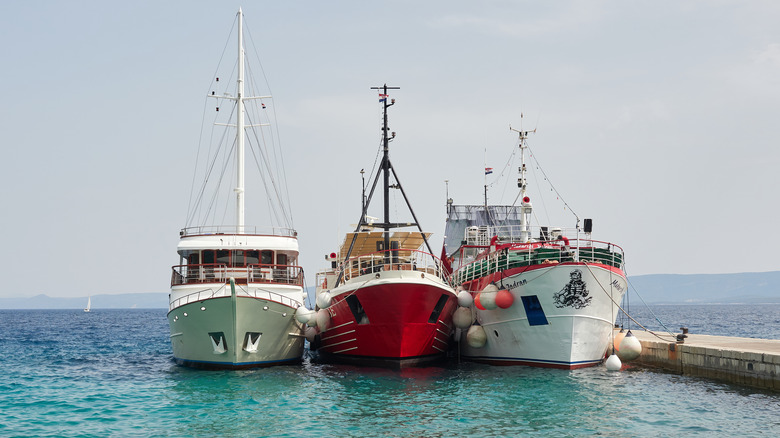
{"x":154,"y":300}
{"x":742,"y":288}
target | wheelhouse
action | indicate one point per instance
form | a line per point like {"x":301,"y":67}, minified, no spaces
{"x":247,"y":260}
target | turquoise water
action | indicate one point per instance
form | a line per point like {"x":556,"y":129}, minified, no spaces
{"x":109,"y":373}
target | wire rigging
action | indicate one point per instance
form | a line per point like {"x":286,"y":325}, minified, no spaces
{"x":276,"y":123}
{"x":541,"y":169}
{"x":190,"y":206}
{"x":264,"y":145}
{"x":205,"y":183}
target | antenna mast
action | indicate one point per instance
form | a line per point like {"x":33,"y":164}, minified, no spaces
{"x":522,"y":183}
{"x":387,"y":168}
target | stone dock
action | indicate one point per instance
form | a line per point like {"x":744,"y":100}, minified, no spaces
{"x":743,"y":361}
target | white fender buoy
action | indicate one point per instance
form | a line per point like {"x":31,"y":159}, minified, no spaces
{"x":310,"y":333}
{"x":465,"y":299}
{"x":488,"y":300}
{"x":476,"y":336}
{"x":312,"y":322}
{"x":618,"y":339}
{"x":613,"y":363}
{"x":324,"y":300}
{"x":504,"y":299}
{"x":323,"y":320}
{"x":303,"y":315}
{"x":630,"y":347}
{"x":462,"y":317}
{"x":490,"y":288}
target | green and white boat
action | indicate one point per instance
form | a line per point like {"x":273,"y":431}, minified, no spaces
{"x":236,"y":288}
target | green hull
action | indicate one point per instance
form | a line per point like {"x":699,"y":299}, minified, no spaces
{"x":235,"y":332}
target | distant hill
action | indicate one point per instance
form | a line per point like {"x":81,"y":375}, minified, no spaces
{"x":749,"y":288}
{"x":105,"y":301}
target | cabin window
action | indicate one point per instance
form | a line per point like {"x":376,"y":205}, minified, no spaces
{"x":281,"y":259}
{"x":193,"y":258}
{"x":266,"y":257}
{"x":223,"y":256}
{"x":209,"y":257}
{"x":252,"y":257}
{"x":238,"y":258}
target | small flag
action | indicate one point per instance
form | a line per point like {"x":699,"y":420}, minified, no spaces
{"x":263,"y":105}
{"x":488,"y":170}
{"x":383,"y":97}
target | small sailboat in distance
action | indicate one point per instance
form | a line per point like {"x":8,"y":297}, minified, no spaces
{"x":89,"y":304}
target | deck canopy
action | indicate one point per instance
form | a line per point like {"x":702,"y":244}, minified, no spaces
{"x":367,"y":242}
{"x":237,"y":241}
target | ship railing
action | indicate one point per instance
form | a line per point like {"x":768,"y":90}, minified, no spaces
{"x":224,"y":292}
{"x":548,"y":252}
{"x":199,"y":296}
{"x":264,"y":294}
{"x":254,"y":273}
{"x":516,"y":233}
{"x":247,"y":230}
{"x":393,"y":260}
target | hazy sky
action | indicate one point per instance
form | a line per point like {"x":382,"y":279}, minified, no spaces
{"x":656,"y":119}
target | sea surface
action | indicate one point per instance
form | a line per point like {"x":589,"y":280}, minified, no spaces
{"x":110,"y":373}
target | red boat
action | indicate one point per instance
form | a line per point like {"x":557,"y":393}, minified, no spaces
{"x":390,"y":305}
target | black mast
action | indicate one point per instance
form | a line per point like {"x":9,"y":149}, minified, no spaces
{"x":386,"y":168}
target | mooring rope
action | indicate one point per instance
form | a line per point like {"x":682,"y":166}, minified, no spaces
{"x":623,"y":310}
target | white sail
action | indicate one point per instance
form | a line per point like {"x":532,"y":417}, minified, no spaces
{"x":89,"y":304}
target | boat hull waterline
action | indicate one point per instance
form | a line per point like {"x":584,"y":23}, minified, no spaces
{"x":393,"y":319}
{"x":561,"y":317}
{"x":235,"y":332}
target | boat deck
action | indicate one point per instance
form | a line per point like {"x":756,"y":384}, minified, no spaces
{"x":515,"y":258}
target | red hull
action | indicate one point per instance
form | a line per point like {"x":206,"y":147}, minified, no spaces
{"x":389,"y":324}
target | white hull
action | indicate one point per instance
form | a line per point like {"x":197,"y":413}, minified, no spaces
{"x":211,"y":328}
{"x":551,"y":334}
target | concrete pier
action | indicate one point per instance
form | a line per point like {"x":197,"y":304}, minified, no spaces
{"x":743,"y":361}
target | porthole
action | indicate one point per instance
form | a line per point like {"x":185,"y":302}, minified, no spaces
{"x":496,"y":332}
{"x":185,"y":313}
{"x":265,"y":307}
{"x":284,"y":314}
{"x":202,"y":307}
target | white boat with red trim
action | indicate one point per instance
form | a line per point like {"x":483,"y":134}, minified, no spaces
{"x":236,"y":288}
{"x":529,"y":294}
{"x":385,"y":301}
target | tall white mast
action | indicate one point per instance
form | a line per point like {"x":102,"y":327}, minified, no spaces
{"x":522,"y":183}
{"x":240,"y":129}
